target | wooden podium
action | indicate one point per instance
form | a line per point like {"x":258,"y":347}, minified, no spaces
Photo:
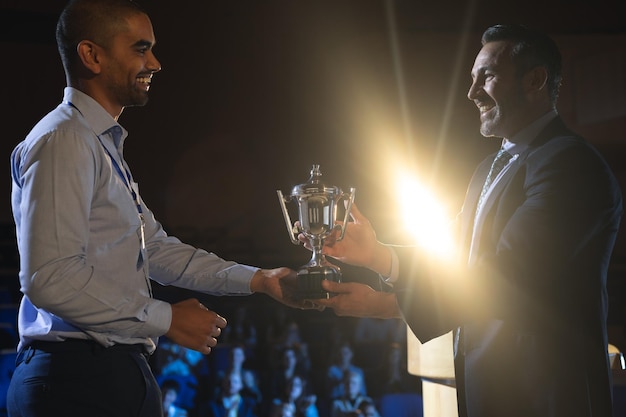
{"x":434,"y":363}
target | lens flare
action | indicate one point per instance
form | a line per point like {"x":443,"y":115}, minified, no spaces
{"x":424,"y":217}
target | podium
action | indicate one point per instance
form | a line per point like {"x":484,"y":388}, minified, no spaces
{"x":433,"y":362}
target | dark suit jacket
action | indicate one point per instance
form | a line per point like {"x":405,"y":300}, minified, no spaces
{"x":531,"y":303}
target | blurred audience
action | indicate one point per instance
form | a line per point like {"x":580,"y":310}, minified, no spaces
{"x":342,"y":362}
{"x":236,"y":362}
{"x":368,"y":409}
{"x":230,"y":402}
{"x":169,"y":393}
{"x":288,"y":367}
{"x":348,"y":405}
{"x":185,"y":366}
{"x":283,"y":382}
{"x":283,"y":410}
{"x":295,"y":393}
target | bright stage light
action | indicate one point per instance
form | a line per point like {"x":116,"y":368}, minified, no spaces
{"x":425,"y":218}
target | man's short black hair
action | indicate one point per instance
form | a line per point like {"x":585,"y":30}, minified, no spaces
{"x":531,"y":48}
{"x":94,"y":20}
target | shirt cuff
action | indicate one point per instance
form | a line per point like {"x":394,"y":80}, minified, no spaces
{"x":159,"y":318}
{"x":395,"y":266}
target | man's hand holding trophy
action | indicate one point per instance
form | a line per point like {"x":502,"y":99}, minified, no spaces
{"x":317,"y":214}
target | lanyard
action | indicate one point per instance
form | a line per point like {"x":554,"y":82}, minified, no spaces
{"x":133,"y":192}
{"x":125,"y":176}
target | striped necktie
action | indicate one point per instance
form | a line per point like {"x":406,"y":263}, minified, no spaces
{"x":500,"y":161}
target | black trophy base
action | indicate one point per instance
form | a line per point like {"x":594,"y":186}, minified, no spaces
{"x":309,"y":283}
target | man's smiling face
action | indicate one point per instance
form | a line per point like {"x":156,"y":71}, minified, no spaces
{"x":498,"y":92}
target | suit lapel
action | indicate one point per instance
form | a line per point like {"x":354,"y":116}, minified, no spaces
{"x":487,"y":206}
{"x":473,"y":233}
{"x":471,"y":199}
{"x":497,"y":190}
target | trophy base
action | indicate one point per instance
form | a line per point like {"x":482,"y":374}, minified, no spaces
{"x":309,"y":282}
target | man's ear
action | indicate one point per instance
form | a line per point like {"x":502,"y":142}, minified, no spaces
{"x":89,"y":55}
{"x":535,"y":80}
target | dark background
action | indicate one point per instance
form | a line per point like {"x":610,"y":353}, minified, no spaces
{"x":254,"y":92}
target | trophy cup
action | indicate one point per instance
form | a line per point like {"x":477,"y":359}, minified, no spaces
{"x":317,"y":209}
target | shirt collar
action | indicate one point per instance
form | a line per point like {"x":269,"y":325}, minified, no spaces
{"x":96,"y":116}
{"x":520,"y":141}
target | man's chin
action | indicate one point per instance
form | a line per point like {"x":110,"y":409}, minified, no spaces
{"x":487,"y":132}
{"x":491,"y":130}
{"x":138,"y":103}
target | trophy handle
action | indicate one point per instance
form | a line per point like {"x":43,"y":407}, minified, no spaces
{"x":348,"y":207}
{"x":291,"y":229}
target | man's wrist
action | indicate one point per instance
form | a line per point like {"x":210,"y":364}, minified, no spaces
{"x":394,"y":268}
{"x":382,"y":262}
{"x":257,"y":282}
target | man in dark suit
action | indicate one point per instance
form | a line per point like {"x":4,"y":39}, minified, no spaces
{"x":526,"y":293}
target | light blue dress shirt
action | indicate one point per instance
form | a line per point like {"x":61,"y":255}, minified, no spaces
{"x":83,"y":271}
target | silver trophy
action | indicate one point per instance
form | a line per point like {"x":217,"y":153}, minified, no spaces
{"x":317,"y":212}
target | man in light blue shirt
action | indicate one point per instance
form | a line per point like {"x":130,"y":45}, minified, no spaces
{"x":88,"y":244}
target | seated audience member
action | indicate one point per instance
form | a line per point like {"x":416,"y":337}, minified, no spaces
{"x":335,"y":372}
{"x":295,"y":393}
{"x":236,"y":361}
{"x":290,"y":336}
{"x":288,"y":367}
{"x":230,"y":402}
{"x":169,"y":392}
{"x":189,"y":368}
{"x":368,"y":409}
{"x":283,"y":410}
{"x":348,"y":404}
